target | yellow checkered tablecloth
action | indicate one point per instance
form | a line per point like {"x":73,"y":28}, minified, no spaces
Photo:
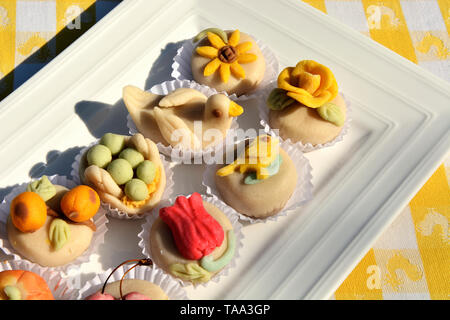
{"x":411,"y":260}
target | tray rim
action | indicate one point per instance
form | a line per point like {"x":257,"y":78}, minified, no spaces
{"x":422,"y":174}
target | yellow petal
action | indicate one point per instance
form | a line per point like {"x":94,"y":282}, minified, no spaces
{"x":207,"y":52}
{"x":302,"y":66}
{"x":328,"y":82}
{"x":308,"y":100}
{"x":215,"y":40}
{"x":237,"y":70}
{"x":333,"y":89}
{"x":327,"y":79}
{"x":244,"y":47}
{"x":211,"y":67}
{"x":325,"y":96}
{"x":247,"y":57}
{"x":309,"y":82}
{"x":284,"y":81}
{"x":227,"y":170}
{"x":224,"y":72}
{"x":234,"y":38}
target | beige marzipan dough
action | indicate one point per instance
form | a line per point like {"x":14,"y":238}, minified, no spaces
{"x":190,"y":112}
{"x":300,"y":123}
{"x":263,"y":199}
{"x":254,"y":71}
{"x":184,"y":118}
{"x":36,"y":246}
{"x":163,"y":248}
{"x":144,"y":287}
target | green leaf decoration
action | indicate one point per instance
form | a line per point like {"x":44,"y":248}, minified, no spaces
{"x":217,"y":31}
{"x":332,"y":113}
{"x":211,"y":265}
{"x":12,"y":292}
{"x":59,"y":233}
{"x":191,"y":272}
{"x":278,"y":99}
{"x":43,"y":187}
{"x":272,"y":169}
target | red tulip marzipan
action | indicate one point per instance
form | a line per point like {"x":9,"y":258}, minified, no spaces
{"x":195,"y":231}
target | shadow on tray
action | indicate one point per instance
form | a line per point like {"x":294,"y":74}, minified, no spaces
{"x":101,"y":118}
{"x":161,"y":69}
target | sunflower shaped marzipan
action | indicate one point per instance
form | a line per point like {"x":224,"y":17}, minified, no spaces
{"x":226,"y":57}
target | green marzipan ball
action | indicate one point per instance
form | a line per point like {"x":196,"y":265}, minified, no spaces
{"x":99,"y":155}
{"x":114,"y":142}
{"x":121,"y":171}
{"x":133,"y":156}
{"x":146,"y":171}
{"x":136,"y":189}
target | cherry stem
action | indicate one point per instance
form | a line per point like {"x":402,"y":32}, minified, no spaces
{"x":139,"y":262}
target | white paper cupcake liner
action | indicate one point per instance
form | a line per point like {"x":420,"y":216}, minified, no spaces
{"x":98,"y":238}
{"x":305,"y":147}
{"x":114,"y":212}
{"x":302,"y":192}
{"x":231,"y":214}
{"x":181,"y":67}
{"x":154,"y":275}
{"x":177,"y":154}
{"x":59,"y":287}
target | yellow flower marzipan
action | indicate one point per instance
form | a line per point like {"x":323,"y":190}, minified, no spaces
{"x":257,"y":157}
{"x":226,"y":57}
{"x":309,"y":83}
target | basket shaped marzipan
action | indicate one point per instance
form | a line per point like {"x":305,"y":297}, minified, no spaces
{"x":110,"y":192}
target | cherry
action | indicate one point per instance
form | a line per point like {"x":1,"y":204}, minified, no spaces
{"x":100,"y":296}
{"x":135,"y":296}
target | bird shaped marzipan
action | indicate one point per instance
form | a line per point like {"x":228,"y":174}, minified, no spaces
{"x":175,"y":119}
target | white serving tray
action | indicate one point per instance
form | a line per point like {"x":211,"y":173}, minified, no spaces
{"x":399,"y":134}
